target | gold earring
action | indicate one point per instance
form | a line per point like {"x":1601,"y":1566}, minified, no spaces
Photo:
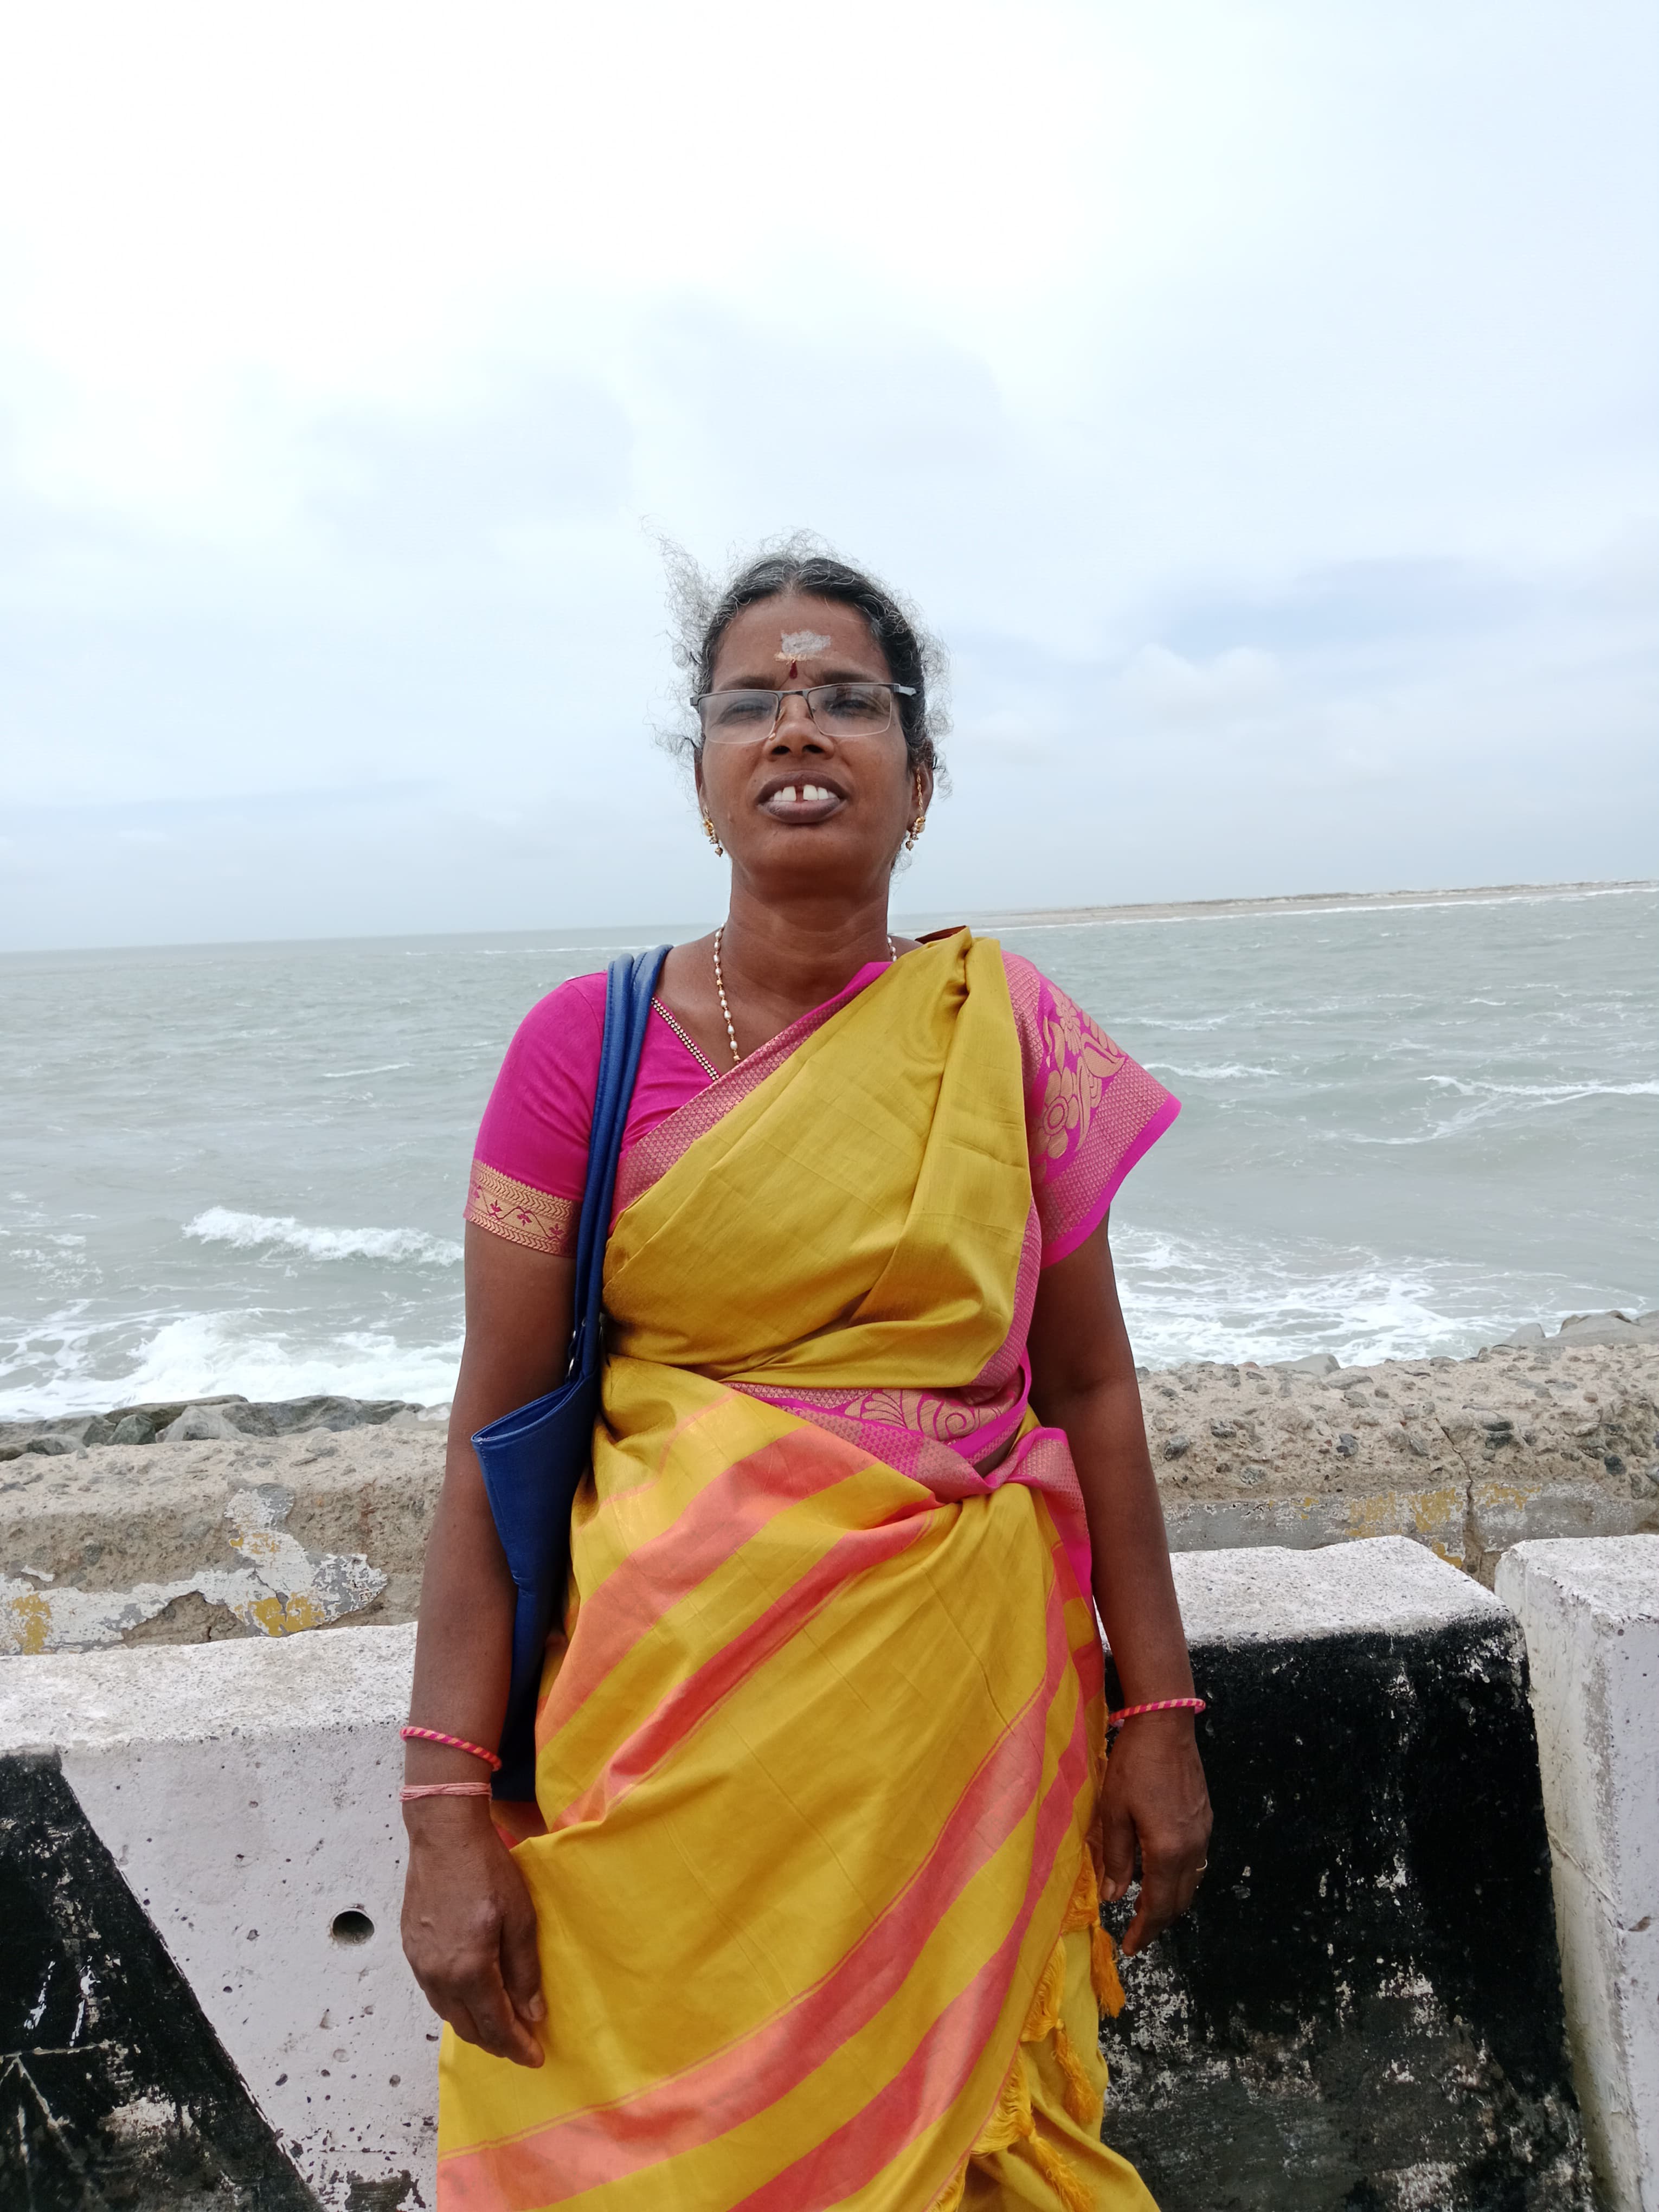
{"x":918,"y":825}
{"x":712,"y":835}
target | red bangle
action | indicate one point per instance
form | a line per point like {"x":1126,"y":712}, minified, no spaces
{"x":455,"y":1743}
{"x":1158,"y":1706}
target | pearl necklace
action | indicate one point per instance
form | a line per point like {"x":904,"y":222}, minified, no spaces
{"x":720,"y":987}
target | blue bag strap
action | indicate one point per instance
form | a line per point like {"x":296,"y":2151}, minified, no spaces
{"x":630,"y":986}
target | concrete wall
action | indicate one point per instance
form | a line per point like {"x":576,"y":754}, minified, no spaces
{"x":1363,"y":2009}
{"x":1362,"y":2013}
{"x":1555,"y":1436}
{"x":1590,"y":1614}
{"x":246,"y":1792}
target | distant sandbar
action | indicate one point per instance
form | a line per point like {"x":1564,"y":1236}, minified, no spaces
{"x":1307,"y":902}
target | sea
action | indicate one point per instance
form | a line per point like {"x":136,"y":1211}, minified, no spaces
{"x":1410,"y":1126}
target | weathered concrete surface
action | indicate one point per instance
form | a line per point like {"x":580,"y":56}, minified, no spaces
{"x":113,"y":2089}
{"x":1555,"y":1437}
{"x":248,"y":1793}
{"x":188,"y":1541}
{"x":1590,"y":1615}
{"x":1363,"y":2012}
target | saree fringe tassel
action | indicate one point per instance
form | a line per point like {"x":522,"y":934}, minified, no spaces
{"x":1084,"y":1911}
{"x":1102,"y":1971}
{"x":1012,"y":2125}
{"x":1081,"y":2101}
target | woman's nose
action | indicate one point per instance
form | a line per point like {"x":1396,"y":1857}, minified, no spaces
{"x":794,"y":726}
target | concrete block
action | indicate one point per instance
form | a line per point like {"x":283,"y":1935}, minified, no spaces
{"x":246,"y":1792}
{"x":1502,"y":1514}
{"x":1589,"y":1611}
{"x":1364,"y":2009}
{"x":1436,"y":1517}
{"x":1363,"y":2012}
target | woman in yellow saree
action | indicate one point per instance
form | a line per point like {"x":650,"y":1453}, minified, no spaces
{"x":806,"y":1911}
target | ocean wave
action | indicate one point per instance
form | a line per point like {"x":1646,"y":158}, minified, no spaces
{"x":246,"y":1233}
{"x":1487,"y":1103}
{"x":1551,"y":1093}
{"x":1127,"y":1019}
{"x":1223,"y":1072}
{"x":1184,"y":1298}
{"x":72,"y":1368}
{"x":386,"y":1067}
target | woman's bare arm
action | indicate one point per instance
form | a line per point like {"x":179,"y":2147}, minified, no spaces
{"x":1083,"y":1381}
{"x":468,"y":1927}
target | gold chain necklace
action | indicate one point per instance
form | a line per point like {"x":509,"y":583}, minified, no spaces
{"x":719,"y":987}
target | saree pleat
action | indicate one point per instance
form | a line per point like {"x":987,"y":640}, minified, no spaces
{"x":819,"y":1748}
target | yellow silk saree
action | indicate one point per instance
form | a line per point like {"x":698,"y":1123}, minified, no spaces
{"x":819,"y":1748}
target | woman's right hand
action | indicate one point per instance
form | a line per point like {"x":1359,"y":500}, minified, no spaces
{"x":469,"y":1928}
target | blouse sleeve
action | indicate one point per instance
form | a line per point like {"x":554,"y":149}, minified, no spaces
{"x":1090,"y":1111}
{"x":530,"y":1162}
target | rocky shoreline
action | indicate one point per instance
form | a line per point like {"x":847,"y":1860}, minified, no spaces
{"x":196,"y":1421}
{"x":185,"y":1523}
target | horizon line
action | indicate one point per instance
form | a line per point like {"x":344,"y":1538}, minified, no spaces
{"x":1138,"y":910}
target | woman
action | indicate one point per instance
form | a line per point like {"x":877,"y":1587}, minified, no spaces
{"x":807,"y":1912}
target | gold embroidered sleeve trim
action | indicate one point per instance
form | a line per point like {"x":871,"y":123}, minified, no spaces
{"x":522,"y":1214}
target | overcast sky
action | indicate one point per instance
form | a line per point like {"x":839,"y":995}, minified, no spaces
{"x":1258,"y":398}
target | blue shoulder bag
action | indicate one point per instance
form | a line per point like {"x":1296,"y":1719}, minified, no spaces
{"x":533,"y":1461}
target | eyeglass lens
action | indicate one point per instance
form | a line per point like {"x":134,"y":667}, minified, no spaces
{"x":840,"y":710}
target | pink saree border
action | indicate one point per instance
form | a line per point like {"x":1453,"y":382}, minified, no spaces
{"x":1091,"y":1112}
{"x":1069,"y":1239}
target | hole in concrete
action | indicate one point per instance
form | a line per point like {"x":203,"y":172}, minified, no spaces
{"x":352,"y":1926}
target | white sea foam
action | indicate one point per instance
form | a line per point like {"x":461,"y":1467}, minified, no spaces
{"x":1489,"y":1103}
{"x":1225,"y":1071}
{"x":1551,"y":1093}
{"x":73,"y":1369}
{"x":1226,"y":1300}
{"x":222,"y":1225}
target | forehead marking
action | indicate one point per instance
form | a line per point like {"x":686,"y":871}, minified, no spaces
{"x":799,"y":644}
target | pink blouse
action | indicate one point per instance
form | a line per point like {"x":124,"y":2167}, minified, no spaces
{"x":1090,"y":1111}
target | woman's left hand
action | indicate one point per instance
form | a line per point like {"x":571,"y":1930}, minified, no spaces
{"x":1155,"y":1796}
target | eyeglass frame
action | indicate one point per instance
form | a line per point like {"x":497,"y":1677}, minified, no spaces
{"x":800,"y":691}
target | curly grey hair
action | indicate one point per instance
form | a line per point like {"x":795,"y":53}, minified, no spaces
{"x":704,"y":609}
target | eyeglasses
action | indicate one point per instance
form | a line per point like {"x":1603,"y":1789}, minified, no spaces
{"x":838,"y":710}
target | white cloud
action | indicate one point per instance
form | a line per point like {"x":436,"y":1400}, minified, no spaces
{"x":1256,"y":399}
{"x":1240,"y":682}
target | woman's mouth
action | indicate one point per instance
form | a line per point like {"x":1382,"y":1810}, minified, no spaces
{"x":802,"y":802}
